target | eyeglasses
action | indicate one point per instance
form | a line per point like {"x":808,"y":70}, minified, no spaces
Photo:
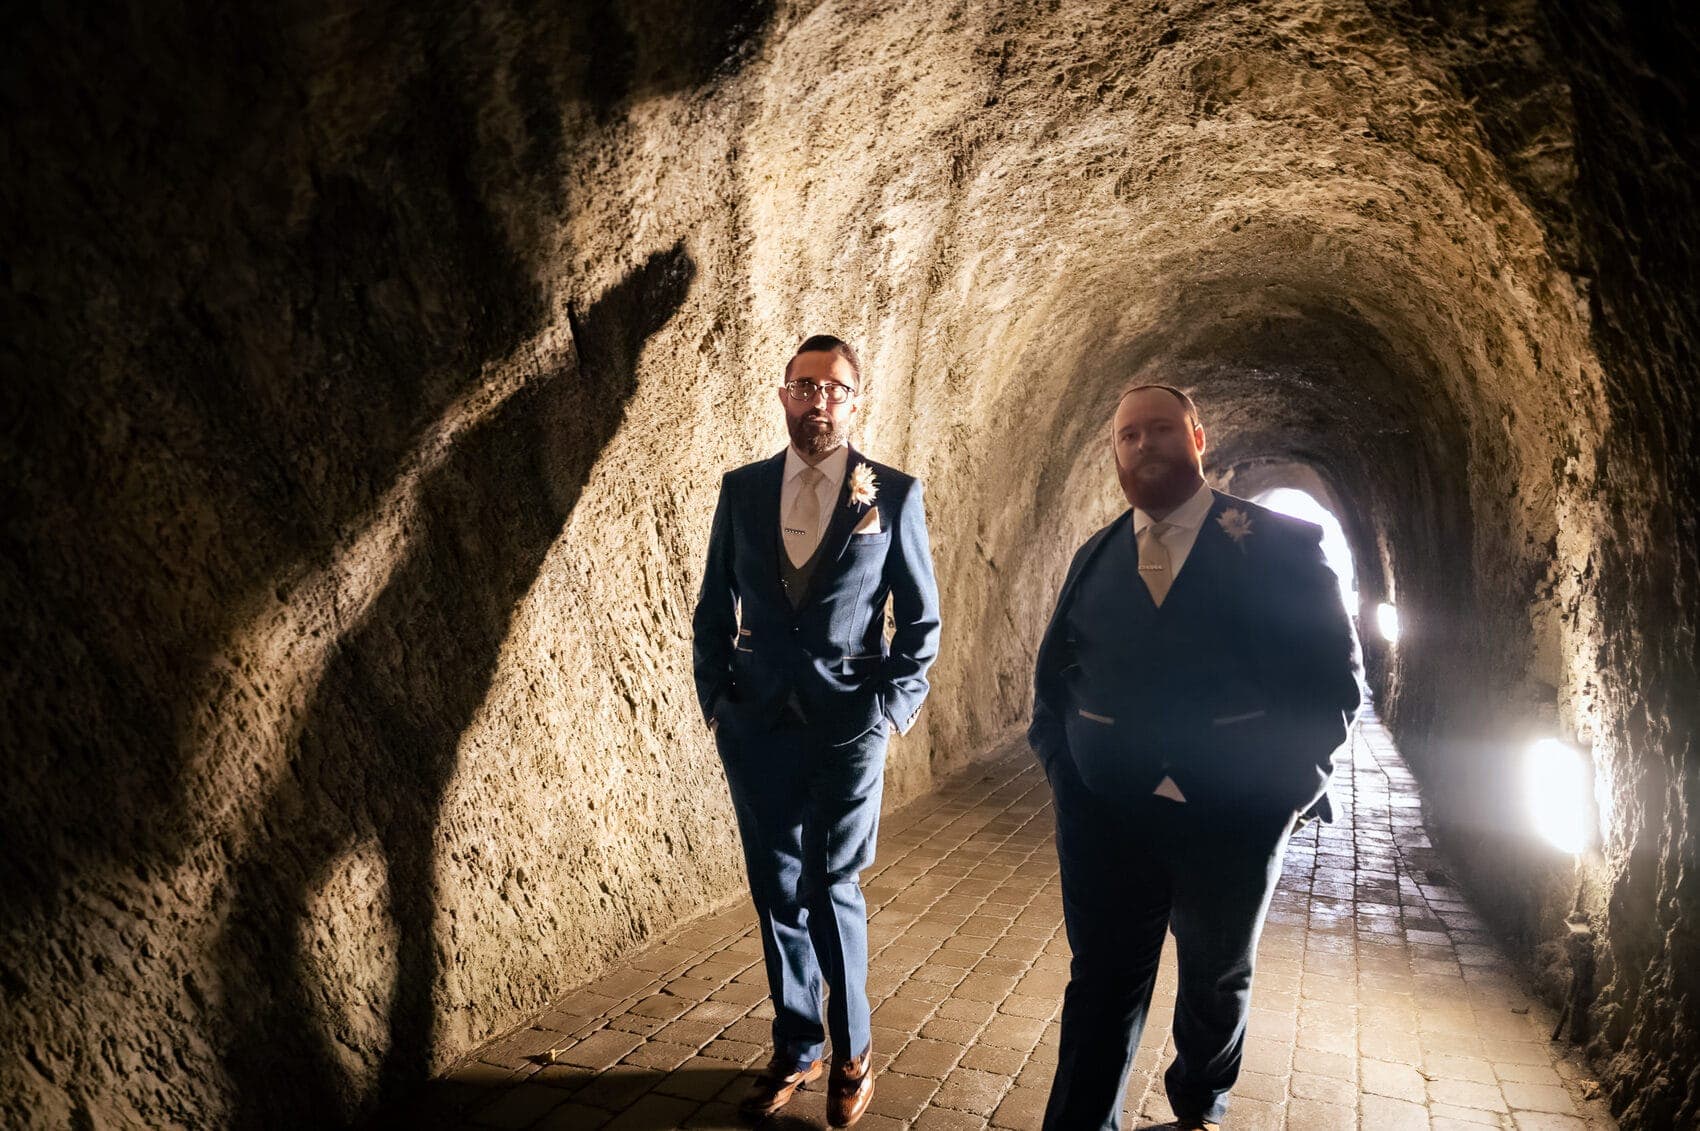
{"x":806,"y":390}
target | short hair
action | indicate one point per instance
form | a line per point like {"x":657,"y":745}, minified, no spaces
{"x":1186,"y":401}
{"x":826,"y":343}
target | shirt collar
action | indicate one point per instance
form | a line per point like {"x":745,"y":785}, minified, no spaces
{"x":1189,"y":514}
{"x":832,"y":466}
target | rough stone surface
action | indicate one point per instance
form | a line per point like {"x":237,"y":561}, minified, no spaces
{"x":369,"y":371}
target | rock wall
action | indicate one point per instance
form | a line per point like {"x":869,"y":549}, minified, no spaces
{"x":371,"y":370}
{"x":1634,"y":89}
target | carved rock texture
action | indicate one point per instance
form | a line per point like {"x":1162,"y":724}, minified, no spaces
{"x":370,"y":370}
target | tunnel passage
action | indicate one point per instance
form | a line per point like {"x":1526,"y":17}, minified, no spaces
{"x":270,"y":277}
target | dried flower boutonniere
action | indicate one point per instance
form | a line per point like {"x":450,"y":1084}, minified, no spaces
{"x":863,"y":486}
{"x":1236,"y":524}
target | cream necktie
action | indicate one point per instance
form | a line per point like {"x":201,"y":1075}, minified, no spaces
{"x":802,"y":525}
{"x":1156,"y":569}
{"x":1154,"y":565}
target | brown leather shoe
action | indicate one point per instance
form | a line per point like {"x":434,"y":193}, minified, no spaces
{"x":775,"y":1085}
{"x":849,"y":1089}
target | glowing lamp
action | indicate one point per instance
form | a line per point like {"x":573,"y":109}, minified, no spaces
{"x":1555,"y":779}
{"x":1387,"y":620}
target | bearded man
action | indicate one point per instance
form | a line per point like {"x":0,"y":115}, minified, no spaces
{"x":801,"y":689}
{"x":1196,"y":677}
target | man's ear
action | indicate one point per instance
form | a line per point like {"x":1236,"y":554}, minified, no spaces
{"x":1198,"y":438}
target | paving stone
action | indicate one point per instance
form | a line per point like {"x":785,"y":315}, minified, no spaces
{"x":564,"y":1077}
{"x":1452,"y":1115}
{"x":1398,"y":1081}
{"x":1261,"y":1086}
{"x":1467,"y":1093}
{"x":1384,"y":1114}
{"x":1325,"y":1089}
{"x":945,"y":1119}
{"x":635,"y":1024}
{"x":735,"y":1052}
{"x":923,"y":1057}
{"x":1041,"y":1009}
{"x":698,"y":1033}
{"x":601,"y":1049}
{"x":1472,"y":1068}
{"x":740,"y":994}
{"x":1547,"y":1121}
{"x":1539,"y":1097}
{"x":944,"y":1029}
{"x":1255,"y":1115}
{"x":572,"y":1116}
{"x":1390,"y":1044}
{"x":1314,"y":1114}
{"x":699,"y":1078}
{"x":1021,"y":1109}
{"x":1007,"y":1031}
{"x":521,"y":1047}
{"x":482,"y":1075}
{"x":1327,"y":1037}
{"x":618,"y":1087}
{"x":520,"y":1107}
{"x":1335,"y":1064}
{"x":901,"y":1096}
{"x":972,"y":1090}
{"x":654,"y":1111}
{"x":1529,"y":1074}
{"x":990,"y":1058}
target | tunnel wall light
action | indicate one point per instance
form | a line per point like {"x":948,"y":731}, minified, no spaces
{"x":1556,"y":784}
{"x":1387,"y":622}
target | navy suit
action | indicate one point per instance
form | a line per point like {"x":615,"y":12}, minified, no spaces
{"x":1238,"y":688}
{"x":803,"y":695}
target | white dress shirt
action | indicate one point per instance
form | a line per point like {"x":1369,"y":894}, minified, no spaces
{"x":833,"y":468}
{"x":1184,"y":521}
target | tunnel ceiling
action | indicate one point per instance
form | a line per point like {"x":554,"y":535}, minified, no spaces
{"x":378,"y":365}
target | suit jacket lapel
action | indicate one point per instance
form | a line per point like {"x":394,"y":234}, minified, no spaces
{"x":843,"y":519}
{"x":1120,"y":527}
{"x":1208,"y":555}
{"x":765,"y":523}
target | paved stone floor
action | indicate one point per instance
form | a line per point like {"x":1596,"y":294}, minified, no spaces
{"x":1380,"y":1002}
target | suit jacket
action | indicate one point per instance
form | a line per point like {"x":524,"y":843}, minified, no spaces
{"x":1239,"y":687}
{"x":754,"y":650}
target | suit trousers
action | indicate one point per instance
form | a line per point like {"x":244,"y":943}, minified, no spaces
{"x":808,"y":817}
{"x":1131,"y":872}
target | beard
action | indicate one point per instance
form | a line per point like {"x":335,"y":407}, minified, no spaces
{"x":816,"y":435}
{"x":1158,"y":483}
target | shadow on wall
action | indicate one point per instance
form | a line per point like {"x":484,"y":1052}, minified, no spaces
{"x":378,"y":744}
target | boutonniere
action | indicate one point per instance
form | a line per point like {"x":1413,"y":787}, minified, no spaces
{"x":1236,"y":524}
{"x":863,"y":486}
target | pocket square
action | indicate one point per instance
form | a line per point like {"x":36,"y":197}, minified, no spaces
{"x":870,"y":523}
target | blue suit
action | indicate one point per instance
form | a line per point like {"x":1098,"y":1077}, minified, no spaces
{"x":1238,"y":688}
{"x":803,"y":695}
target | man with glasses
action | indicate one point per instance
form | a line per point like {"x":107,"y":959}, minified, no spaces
{"x":801,"y":689}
